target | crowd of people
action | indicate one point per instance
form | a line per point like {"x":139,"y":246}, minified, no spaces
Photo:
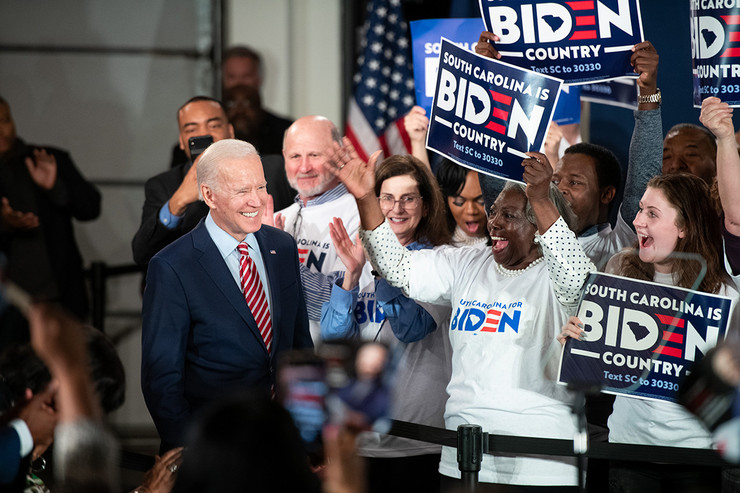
{"x":275,"y":237}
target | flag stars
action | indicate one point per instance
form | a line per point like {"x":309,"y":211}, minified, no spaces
{"x":394,"y":94}
{"x":380,"y":123}
{"x":382,"y":11}
{"x":384,"y":88}
{"x":403,"y":42}
{"x":396,"y":77}
{"x":376,"y":47}
{"x":399,"y":59}
{"x":382,"y":105}
{"x":371,"y":83}
{"x":379,"y":29}
{"x":368,"y":100}
{"x":373,"y":65}
{"x":408,"y":100}
{"x":409,"y":84}
{"x":392,"y":112}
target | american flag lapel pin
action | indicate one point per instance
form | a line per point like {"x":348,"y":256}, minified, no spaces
{"x":273,"y":252}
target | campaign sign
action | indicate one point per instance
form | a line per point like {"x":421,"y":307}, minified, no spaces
{"x":486,"y":114}
{"x":618,"y":92}
{"x":575,"y":40}
{"x":425,"y":46}
{"x":715,"y":51}
{"x":641,"y":337}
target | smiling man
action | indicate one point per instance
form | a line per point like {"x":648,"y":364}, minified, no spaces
{"x":223,"y":301}
{"x":320,"y":198}
{"x":171,"y":206}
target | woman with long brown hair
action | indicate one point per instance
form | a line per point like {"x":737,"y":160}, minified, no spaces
{"x":675,"y":224}
{"x":410,"y":199}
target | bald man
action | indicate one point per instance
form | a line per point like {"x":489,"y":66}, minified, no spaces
{"x":320,"y":198}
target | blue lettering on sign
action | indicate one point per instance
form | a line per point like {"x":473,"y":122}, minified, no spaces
{"x":313,"y":261}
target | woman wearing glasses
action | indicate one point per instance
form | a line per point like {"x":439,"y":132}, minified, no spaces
{"x":410,"y":199}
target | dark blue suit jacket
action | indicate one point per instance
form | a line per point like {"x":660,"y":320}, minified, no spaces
{"x":199,"y":339}
{"x":10,"y":457}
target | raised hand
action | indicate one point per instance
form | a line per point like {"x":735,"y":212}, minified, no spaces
{"x":483,"y":47}
{"x":357,"y":175}
{"x":40,"y":415}
{"x":644,"y":60}
{"x":268,"y":216}
{"x":717,"y":117}
{"x":16,"y":220}
{"x":187,"y":192}
{"x":351,"y":254}
{"x":43,"y":168}
{"x":537,"y":176}
{"x":280,"y":221}
{"x":416,"y":122}
{"x":161,"y":477}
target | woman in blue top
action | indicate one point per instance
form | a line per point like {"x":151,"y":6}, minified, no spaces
{"x":410,"y":198}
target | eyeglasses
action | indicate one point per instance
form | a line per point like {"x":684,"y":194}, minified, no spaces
{"x":407,"y":202}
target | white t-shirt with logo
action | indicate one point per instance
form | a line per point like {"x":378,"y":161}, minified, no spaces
{"x":310,"y":227}
{"x":505,"y":355}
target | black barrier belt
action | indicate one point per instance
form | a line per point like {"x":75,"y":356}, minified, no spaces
{"x":504,"y":444}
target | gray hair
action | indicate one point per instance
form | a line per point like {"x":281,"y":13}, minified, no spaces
{"x":556,"y":197}
{"x":335,"y":135}
{"x":226,"y":149}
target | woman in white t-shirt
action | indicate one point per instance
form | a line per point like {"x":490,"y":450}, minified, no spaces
{"x":675,"y":216}
{"x":508,"y":304}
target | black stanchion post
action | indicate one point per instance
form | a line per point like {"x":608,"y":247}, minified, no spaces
{"x":469,"y":455}
{"x":97,"y":276}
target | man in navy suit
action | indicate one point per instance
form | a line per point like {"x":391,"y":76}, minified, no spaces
{"x":200,"y":340}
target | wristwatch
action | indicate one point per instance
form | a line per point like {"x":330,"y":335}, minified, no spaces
{"x":652,"y":98}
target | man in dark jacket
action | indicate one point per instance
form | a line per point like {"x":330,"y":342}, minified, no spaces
{"x":41,"y":190}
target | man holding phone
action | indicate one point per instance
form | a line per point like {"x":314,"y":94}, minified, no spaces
{"x":171,"y":205}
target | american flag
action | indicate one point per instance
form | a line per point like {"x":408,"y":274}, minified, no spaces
{"x":384,"y":84}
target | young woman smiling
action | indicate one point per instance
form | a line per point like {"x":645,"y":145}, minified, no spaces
{"x":466,"y":209}
{"x":676,"y":215}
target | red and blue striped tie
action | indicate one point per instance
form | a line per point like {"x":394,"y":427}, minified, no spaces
{"x":255,"y":294}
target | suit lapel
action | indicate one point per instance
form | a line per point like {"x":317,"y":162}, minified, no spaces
{"x":216,"y":268}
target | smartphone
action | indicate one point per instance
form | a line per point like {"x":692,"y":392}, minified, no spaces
{"x":340,"y":382}
{"x":360,"y":376}
{"x":302,"y":390}
{"x":198,"y":144}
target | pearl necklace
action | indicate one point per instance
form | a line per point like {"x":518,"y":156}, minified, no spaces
{"x":513,"y":273}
